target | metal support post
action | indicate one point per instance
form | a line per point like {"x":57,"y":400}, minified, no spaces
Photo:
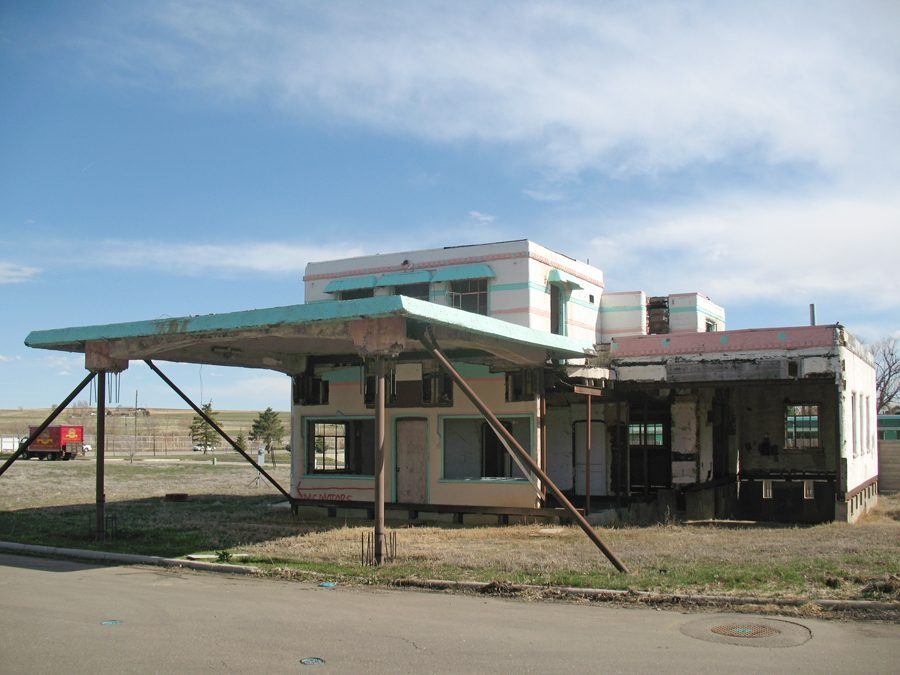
{"x":100,"y":529}
{"x":24,"y":445}
{"x":206,"y":418}
{"x":516,"y":449}
{"x":379,"y":460}
{"x":543,"y":437}
{"x":587,"y":459}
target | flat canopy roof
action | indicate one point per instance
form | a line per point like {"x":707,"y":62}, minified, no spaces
{"x":280,"y":338}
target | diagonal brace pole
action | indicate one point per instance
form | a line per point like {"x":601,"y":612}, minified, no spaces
{"x":512,"y":444}
{"x":211,"y":422}
{"x":24,"y":445}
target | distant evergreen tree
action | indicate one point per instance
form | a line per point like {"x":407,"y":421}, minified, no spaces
{"x":203,"y":434}
{"x":241,"y":441}
{"x":269,"y":430}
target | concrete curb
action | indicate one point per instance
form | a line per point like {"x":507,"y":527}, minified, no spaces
{"x":125,"y":558}
{"x":647,"y":596}
{"x":471,"y":586}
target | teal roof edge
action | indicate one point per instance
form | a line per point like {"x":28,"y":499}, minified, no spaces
{"x":73,"y":339}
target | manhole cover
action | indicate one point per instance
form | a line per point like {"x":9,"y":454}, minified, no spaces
{"x":747,"y":631}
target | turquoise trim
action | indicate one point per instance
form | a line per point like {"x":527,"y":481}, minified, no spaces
{"x":349,"y":374}
{"x":501,"y":417}
{"x":73,"y":339}
{"x":350,"y":284}
{"x":584,"y":303}
{"x":404,"y":278}
{"x":622,"y":308}
{"x":427,"y":455}
{"x":520,"y":286}
{"x":697,"y":310}
{"x":563,"y":279}
{"x":460,"y":272}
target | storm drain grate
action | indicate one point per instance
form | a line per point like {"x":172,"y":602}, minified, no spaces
{"x":745,"y":630}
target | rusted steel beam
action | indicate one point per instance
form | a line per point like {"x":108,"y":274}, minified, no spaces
{"x":513,"y":445}
{"x":219,"y":430}
{"x":100,"y":498}
{"x":587,"y":458}
{"x":23,"y":446}
{"x":379,"y":460}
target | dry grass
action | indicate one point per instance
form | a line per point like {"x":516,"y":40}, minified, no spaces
{"x":52,"y":502}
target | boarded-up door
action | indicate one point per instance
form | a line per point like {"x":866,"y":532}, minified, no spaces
{"x":598,"y":458}
{"x":411,"y":454}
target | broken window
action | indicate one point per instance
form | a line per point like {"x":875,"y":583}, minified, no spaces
{"x":418,"y":291}
{"x":470,"y":295}
{"x":711,"y":326}
{"x":343,"y":446}
{"x":809,"y":490}
{"x":356,"y":294}
{"x":801,"y":426}
{"x":309,"y":390}
{"x":520,"y":385}
{"x":437,"y":389}
{"x":767,"y":489}
{"x":645,"y":434}
{"x":473,"y":451}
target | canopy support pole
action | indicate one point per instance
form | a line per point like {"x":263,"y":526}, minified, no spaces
{"x":100,"y":498}
{"x":515,"y":448}
{"x":211,"y":422}
{"x":379,"y":459}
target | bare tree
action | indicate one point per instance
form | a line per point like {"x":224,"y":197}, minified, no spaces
{"x":887,"y":372}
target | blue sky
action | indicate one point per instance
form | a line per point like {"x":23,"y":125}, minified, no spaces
{"x":161,"y":159}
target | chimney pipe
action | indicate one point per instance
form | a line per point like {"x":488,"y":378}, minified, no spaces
{"x":812,"y":314}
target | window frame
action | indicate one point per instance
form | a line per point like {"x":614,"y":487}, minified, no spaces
{"x":309,"y":444}
{"x":528,"y":417}
{"x":791,"y":432}
{"x":455,"y":297}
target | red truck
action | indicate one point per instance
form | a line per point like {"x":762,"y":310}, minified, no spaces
{"x":60,"y":442}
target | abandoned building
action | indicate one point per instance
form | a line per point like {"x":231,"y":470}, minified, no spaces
{"x":636,"y":408}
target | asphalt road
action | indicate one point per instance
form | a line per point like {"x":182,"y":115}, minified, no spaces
{"x":52,"y":616}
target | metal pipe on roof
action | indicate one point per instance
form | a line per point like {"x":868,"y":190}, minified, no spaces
{"x":513,"y":445}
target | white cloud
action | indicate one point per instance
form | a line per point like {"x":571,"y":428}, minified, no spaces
{"x":749,"y":248}
{"x":481,"y":218}
{"x":13,"y":273}
{"x":188,"y":259}
{"x":624,"y":87}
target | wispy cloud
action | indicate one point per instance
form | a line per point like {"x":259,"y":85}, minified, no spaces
{"x":741,"y":248}
{"x":623,"y":87}
{"x":482,"y":218}
{"x":190,"y":259}
{"x":14,"y":273}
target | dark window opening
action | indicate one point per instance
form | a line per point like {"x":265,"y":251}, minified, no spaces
{"x":309,"y":390}
{"x":356,"y":294}
{"x":469,"y":295}
{"x":658,"y":314}
{"x":801,"y":426}
{"x":343,"y":446}
{"x":557,"y":326}
{"x":711,"y":326}
{"x":418,"y":291}
{"x":495,"y":460}
{"x":649,"y":449}
{"x":520,"y":385}
{"x":650,"y":434}
{"x":434,"y":389}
